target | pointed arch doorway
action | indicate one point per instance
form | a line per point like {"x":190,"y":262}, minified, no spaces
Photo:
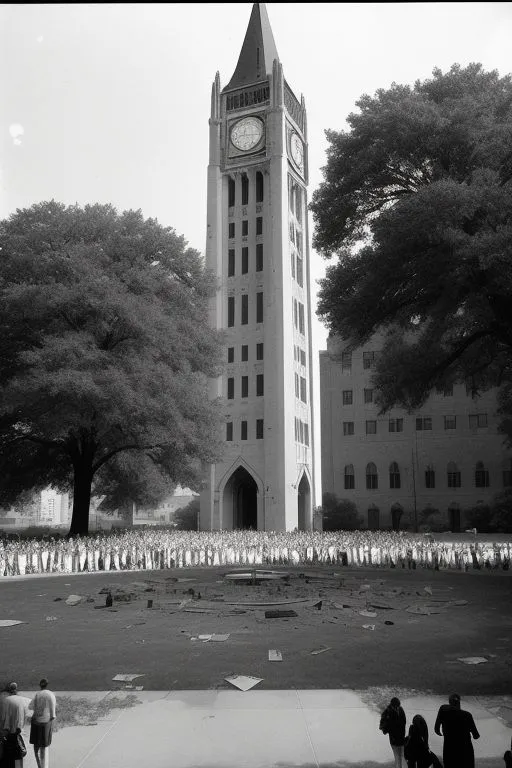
{"x":241,"y":495}
{"x":303,"y":504}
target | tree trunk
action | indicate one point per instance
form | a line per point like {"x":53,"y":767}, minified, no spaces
{"x":81,"y":499}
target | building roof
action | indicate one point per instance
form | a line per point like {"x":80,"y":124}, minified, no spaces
{"x":258,"y":50}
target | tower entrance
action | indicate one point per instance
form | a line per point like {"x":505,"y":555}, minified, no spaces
{"x":303,"y":501}
{"x":241,"y":494}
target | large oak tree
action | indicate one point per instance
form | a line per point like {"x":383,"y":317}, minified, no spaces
{"x":105,"y":350}
{"x":417,"y":206}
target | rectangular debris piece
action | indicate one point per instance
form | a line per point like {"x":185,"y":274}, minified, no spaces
{"x":275,"y":656}
{"x":10,"y":622}
{"x":243,"y":682}
{"x":204,"y":638}
{"x":279,"y":614}
{"x":219,"y":638}
{"x":320,"y":650}
{"x":126,"y":678}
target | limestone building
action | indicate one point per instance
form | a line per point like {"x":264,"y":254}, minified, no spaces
{"x":257,"y":246}
{"x":448,"y":456}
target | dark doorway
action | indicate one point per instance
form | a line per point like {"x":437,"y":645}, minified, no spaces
{"x":245,"y":500}
{"x":396,"y":516}
{"x":373,"y":518}
{"x":303,"y":501}
{"x":454,"y":518}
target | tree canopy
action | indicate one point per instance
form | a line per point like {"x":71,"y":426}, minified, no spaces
{"x":417,"y":206}
{"x":104,"y":356}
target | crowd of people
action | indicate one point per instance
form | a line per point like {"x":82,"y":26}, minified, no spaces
{"x":150,"y":549}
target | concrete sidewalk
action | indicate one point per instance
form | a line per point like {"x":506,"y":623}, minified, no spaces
{"x":256,"y":729}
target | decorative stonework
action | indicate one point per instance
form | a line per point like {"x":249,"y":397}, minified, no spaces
{"x":248,"y":97}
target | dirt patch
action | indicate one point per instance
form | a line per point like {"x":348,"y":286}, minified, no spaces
{"x":73,"y":711}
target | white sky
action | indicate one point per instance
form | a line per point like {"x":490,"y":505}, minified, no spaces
{"x":110,"y":102}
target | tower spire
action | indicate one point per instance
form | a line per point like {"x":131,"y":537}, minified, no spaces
{"x":258,"y":50}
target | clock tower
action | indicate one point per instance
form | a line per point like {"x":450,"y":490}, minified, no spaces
{"x":257,"y":245}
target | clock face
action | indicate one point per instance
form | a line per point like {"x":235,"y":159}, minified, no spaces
{"x":297,"y":150}
{"x":247,"y":133}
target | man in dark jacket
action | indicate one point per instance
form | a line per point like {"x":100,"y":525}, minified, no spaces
{"x":457,"y":726}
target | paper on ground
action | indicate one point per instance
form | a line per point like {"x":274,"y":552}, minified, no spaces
{"x":10,"y":622}
{"x":473,"y":660}
{"x":368,"y":614}
{"x":275,"y":656}
{"x":320,"y":650}
{"x":74,"y":600}
{"x":243,"y":682}
{"x":126,"y":678}
{"x":219,"y":638}
{"x":369,"y":626}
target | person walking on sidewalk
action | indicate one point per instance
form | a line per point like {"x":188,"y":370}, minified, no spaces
{"x":43,"y":704}
{"x":14,"y":715}
{"x":392,"y":722}
{"x":456,"y":726}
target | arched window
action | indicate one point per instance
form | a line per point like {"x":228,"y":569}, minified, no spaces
{"x":430,"y":476}
{"x":372,"y":478}
{"x":394,"y":475}
{"x":507,"y":472}
{"x":481,"y":475}
{"x":231,"y":192}
{"x":453,"y":475}
{"x":349,"y":477}
{"x":259,"y":187}
{"x":245,"y":189}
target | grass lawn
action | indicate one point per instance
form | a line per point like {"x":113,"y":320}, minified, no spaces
{"x":84,"y":647}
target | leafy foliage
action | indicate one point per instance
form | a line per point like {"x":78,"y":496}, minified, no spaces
{"x":495,"y":517}
{"x":417,"y":204}
{"x":186,"y":518}
{"x":339,"y":514}
{"x":104,"y":356}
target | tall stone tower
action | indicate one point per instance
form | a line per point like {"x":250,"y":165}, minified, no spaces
{"x":257,"y":245}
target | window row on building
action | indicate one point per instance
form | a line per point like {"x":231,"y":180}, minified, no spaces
{"x":244,"y":430}
{"x":244,"y":353}
{"x":244,"y":386}
{"x":245,"y":189}
{"x":299,"y":355}
{"x":246,"y":263}
{"x":453,"y":476}
{"x":301,"y":392}
{"x":301,"y":432}
{"x":245,"y":228}
{"x":423,"y":424}
{"x":299,"y":316}
{"x":369,"y":361}
{"x":244,"y":309}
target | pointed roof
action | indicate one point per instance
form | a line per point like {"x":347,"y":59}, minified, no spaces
{"x":258,"y":50}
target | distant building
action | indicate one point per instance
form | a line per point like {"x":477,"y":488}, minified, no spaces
{"x":164,"y":513}
{"x":447,"y":456}
{"x":54,"y":508}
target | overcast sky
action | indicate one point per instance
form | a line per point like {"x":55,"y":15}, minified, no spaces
{"x":110,"y":103}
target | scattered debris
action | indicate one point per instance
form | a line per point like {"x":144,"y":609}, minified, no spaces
{"x":318,"y":605}
{"x":150,"y":603}
{"x":422,"y":610}
{"x":108,"y":600}
{"x":275,"y":656}
{"x":389,"y":623}
{"x":219,"y":638}
{"x":74,"y":600}
{"x":51,"y":618}
{"x":369,"y":626}
{"x":473,"y":660}
{"x":459,"y":602}
{"x":57,"y":599}
{"x":198,"y":610}
{"x":368,"y":614}
{"x":204,"y":638}
{"x":126,"y":678}
{"x":180,"y":581}
{"x":268,"y":603}
{"x":428,"y":590}
{"x":280,"y":614}
{"x":243,"y":682}
{"x":10,"y":622}
{"x":381,"y":605}
{"x":320,"y":650}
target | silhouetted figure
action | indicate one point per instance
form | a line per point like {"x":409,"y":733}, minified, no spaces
{"x":416,"y":750}
{"x":457,"y":726}
{"x":109,"y":600}
{"x":392,"y":722}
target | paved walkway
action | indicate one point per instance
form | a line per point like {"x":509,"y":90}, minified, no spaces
{"x":255,"y":729}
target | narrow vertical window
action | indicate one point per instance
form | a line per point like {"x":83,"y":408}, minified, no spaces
{"x":259,"y":225}
{"x":245,"y":309}
{"x":306,"y":434}
{"x":231,"y":262}
{"x":292,"y":260}
{"x":295,"y":313}
{"x":231,"y":388}
{"x":303,"y":390}
{"x":231,"y":230}
{"x":259,"y":187}
{"x":245,"y":227}
{"x":231,"y":354}
{"x":259,"y":429}
{"x":300,"y":271}
{"x":297,"y":385}
{"x":372,"y":478}
{"x":229,"y":430}
{"x":349,"y":477}
{"x":298,"y":203}
{"x":245,"y":386}
{"x":243,"y":430}
{"x":259,"y":385}
{"x":231,"y":192}
{"x":259,"y":307}
{"x":245,"y":189}
{"x":394,"y":475}
{"x":259,"y":257}
{"x":259,"y":351}
{"x":302,"y":328}
{"x":430,"y":476}
{"x":245,"y":260}
{"x":231,"y":311}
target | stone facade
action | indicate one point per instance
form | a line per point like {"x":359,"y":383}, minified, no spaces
{"x":449,"y":454}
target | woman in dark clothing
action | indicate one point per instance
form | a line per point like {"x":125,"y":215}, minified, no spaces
{"x":392,"y":722}
{"x":416,"y":750}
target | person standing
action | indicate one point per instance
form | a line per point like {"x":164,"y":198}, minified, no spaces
{"x":416,"y":749}
{"x":14,"y":714}
{"x":44,"y":705}
{"x":392,"y":722}
{"x":456,"y":726}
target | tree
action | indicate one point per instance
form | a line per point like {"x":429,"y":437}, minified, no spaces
{"x":104,"y":356}
{"x":186,"y":518}
{"x":339,"y":514}
{"x":417,"y":204}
